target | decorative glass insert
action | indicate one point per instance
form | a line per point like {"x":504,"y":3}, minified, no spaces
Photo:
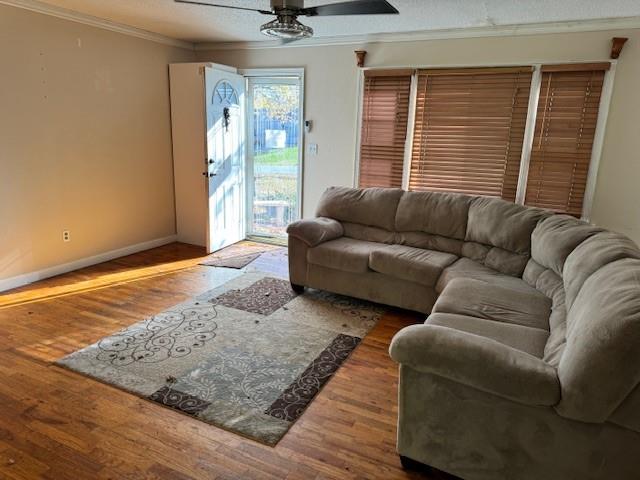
{"x":225,"y":95}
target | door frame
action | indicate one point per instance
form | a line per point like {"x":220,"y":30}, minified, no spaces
{"x":270,"y":73}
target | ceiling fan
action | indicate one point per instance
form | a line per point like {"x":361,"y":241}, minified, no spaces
{"x":286,"y":25}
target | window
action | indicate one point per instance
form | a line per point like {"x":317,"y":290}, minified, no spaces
{"x":471,"y":128}
{"x":563,"y":140}
{"x":385,"y":112}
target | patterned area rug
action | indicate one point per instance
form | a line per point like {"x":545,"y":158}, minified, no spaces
{"x":248,"y":356}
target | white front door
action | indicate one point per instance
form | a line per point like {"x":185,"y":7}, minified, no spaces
{"x":224,"y":110}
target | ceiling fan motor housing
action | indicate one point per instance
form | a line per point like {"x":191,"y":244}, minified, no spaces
{"x":287,"y":4}
{"x":286,"y":25}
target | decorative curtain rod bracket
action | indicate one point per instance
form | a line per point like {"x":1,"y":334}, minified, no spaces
{"x":616,"y":47}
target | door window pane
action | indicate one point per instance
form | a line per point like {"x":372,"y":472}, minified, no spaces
{"x":276,"y":124}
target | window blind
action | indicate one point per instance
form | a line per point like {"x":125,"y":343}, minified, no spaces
{"x":385,"y":113}
{"x":563,"y":140}
{"x":469,"y":129}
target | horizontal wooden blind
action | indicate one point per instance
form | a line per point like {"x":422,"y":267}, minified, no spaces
{"x":469,"y":130}
{"x":565,"y":128}
{"x":385,"y":113}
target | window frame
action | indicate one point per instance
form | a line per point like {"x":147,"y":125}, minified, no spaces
{"x":536,"y":83}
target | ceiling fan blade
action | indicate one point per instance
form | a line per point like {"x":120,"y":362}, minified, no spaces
{"x":355,"y":7}
{"x":194,"y":2}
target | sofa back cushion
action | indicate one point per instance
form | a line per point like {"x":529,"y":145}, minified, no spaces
{"x":600,"y":364}
{"x":502,"y":224}
{"x":591,"y":255}
{"x":506,"y":262}
{"x":556,"y":237}
{"x":375,"y":207}
{"x":436,"y":213}
{"x":499,"y":259}
{"x":369,"y":234}
{"x":430,"y":242}
{"x":550,"y":284}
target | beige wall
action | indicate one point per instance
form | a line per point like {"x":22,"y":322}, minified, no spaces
{"x":331,"y":102}
{"x":85,"y":141}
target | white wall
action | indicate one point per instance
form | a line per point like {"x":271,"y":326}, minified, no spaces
{"x":85,"y":141}
{"x":331,"y":102}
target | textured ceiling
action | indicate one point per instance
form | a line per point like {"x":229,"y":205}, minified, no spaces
{"x":205,"y":24}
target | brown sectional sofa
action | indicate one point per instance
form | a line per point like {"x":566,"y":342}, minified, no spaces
{"x":528,"y":364}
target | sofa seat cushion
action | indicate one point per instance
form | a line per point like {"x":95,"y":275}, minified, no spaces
{"x":527,"y":339}
{"x":466,"y":296}
{"x":345,"y":254}
{"x":409,"y":263}
{"x":467,"y":268}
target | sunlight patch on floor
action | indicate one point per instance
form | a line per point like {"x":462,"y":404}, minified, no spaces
{"x":36,"y":294}
{"x":68,"y":286}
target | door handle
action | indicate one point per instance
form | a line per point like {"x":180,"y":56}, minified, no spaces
{"x":208,"y":174}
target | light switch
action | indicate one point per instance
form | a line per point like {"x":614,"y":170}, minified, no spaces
{"x":313,"y":149}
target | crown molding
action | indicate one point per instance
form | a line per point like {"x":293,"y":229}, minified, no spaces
{"x":54,"y":11}
{"x":442,"y":34}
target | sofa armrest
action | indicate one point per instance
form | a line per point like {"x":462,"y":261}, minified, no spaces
{"x":477,"y":362}
{"x":315,"y":231}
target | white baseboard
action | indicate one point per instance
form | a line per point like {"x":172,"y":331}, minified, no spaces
{"x":26,"y":278}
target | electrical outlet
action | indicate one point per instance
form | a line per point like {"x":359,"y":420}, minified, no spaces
{"x":313,"y":149}
{"x":66,"y":236}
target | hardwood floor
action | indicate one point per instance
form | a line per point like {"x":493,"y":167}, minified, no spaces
{"x":57,"y":424}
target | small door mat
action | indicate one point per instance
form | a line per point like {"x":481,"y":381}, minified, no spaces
{"x":239,"y":261}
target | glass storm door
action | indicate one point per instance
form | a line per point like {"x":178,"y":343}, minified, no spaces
{"x":224,"y":111}
{"x":274,"y":161}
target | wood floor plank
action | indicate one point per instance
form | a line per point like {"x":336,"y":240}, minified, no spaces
{"x":58,"y":424}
